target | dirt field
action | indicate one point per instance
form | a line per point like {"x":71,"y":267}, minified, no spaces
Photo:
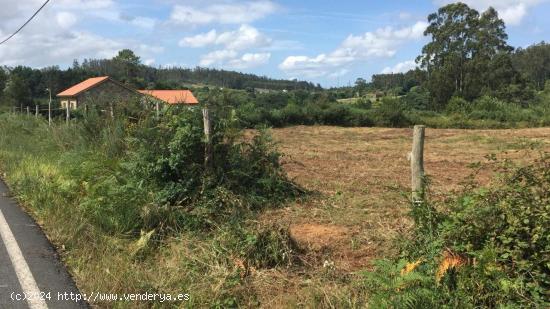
{"x":361,"y":178}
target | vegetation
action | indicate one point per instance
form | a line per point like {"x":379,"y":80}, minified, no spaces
{"x":27,"y":86}
{"x":134,"y":207}
{"x":114,"y":234}
{"x":468,"y":58}
{"x":487,"y":248}
{"x":130,"y":189}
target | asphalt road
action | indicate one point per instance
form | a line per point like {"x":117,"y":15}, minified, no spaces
{"x":29,"y":265}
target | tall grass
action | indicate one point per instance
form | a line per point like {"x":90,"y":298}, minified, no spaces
{"x":121,"y":228}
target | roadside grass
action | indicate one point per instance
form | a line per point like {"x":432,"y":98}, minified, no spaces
{"x":359,"y":177}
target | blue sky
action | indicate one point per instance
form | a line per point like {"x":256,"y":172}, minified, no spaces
{"x":329,"y":42}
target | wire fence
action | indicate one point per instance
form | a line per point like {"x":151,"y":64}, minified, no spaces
{"x":51,"y":114}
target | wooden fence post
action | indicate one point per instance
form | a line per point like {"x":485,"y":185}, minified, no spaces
{"x":36,"y":111}
{"x":417,"y":164}
{"x":68,"y":112}
{"x":208,"y":140}
{"x":157,"y":108}
{"x":28,"y":110}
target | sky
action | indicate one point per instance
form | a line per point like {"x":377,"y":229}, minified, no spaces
{"x":327,"y":42}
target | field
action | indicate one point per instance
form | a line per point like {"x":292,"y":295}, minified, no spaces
{"x":361,"y":176}
{"x":358,"y":183}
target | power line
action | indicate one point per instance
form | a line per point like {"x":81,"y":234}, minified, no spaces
{"x":28,"y":21}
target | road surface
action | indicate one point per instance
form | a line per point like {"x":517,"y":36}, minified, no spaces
{"x":31,"y":274}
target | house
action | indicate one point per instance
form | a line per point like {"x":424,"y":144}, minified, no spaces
{"x":107,"y":91}
{"x":172,"y":97}
{"x":96,"y":90}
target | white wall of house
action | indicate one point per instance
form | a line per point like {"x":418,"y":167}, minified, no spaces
{"x":72,"y":104}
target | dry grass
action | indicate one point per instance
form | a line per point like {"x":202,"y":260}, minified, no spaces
{"x":360,"y":180}
{"x":361,"y":176}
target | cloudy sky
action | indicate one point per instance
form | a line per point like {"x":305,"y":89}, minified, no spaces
{"x":325,"y":41}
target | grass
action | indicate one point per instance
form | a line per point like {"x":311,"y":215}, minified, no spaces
{"x":359,"y":177}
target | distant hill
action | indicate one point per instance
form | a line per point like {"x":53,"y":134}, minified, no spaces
{"x":144,"y":76}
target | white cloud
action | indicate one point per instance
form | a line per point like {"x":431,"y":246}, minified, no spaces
{"x":511,"y":11}
{"x":382,"y":43}
{"x":200,"y":40}
{"x":401,"y":67}
{"x":217,"y":57}
{"x":56,"y":34}
{"x":66,"y":19}
{"x":249,"y":60}
{"x":338,"y":73}
{"x":245,"y":37}
{"x":232,"y":59}
{"x":223,"y":13}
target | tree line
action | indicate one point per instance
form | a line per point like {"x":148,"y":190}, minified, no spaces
{"x":468,"y":57}
{"x":27,"y":86}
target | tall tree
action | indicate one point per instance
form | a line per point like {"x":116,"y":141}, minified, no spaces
{"x":361,"y":86}
{"x":129,"y":63}
{"x":18,"y":91}
{"x":534,"y":63}
{"x":462,"y":44}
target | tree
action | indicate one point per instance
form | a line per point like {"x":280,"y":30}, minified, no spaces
{"x":129,"y":63}
{"x":361,"y":86}
{"x":534,"y":63}
{"x":17,"y":90}
{"x":3,"y":80}
{"x":462,"y":44}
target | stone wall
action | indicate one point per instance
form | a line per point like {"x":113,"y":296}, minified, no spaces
{"x":106,"y":94}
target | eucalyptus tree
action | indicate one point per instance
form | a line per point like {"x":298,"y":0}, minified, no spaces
{"x":463,"y":42}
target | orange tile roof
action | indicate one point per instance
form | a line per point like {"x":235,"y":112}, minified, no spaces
{"x":172,"y":96}
{"x":83,"y":86}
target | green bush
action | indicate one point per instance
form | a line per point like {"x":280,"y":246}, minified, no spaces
{"x":417,"y":98}
{"x":391,"y":113}
{"x":458,"y":105}
{"x":168,"y":159}
{"x":488,"y":248}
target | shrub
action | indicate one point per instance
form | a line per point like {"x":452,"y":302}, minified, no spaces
{"x":168,"y":159}
{"x":487,"y":248}
{"x":458,"y":105}
{"x":417,"y":98}
{"x":391,"y":113}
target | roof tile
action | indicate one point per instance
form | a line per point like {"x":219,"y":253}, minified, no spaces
{"x":83,"y":86}
{"x":172,"y":96}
